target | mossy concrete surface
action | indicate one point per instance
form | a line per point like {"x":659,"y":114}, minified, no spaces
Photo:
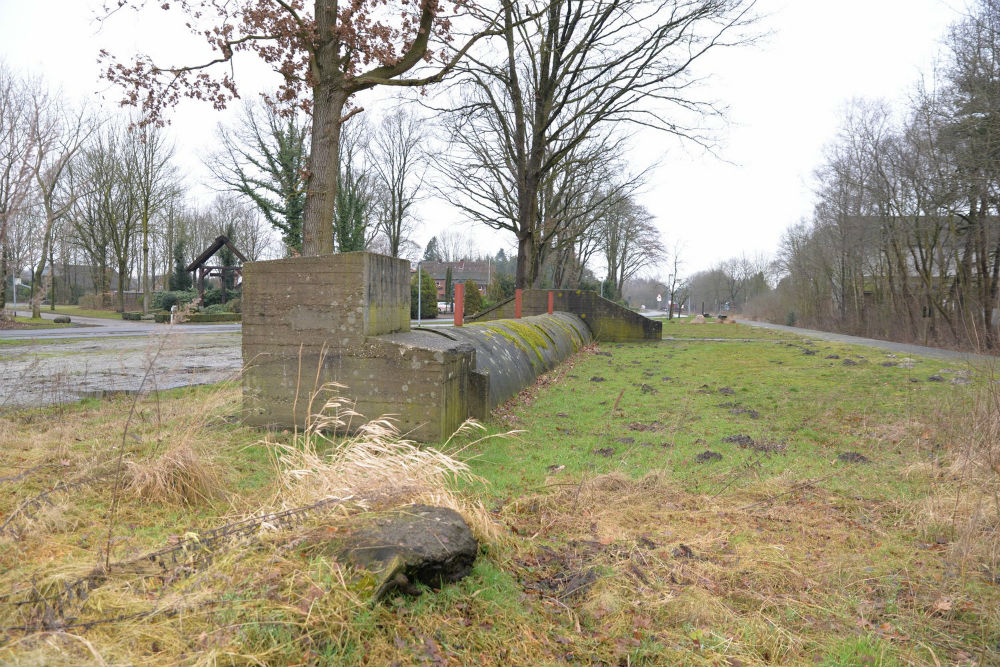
{"x":608,"y":321}
{"x":511,"y":354}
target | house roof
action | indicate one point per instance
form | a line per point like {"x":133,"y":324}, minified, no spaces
{"x":460,"y":271}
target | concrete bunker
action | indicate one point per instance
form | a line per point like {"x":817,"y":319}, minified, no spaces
{"x":344,"y":318}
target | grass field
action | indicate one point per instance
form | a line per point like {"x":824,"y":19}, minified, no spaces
{"x":88,"y":312}
{"x":750,"y":501}
{"x":29,"y":323}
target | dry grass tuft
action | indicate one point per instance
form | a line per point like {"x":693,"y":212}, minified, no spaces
{"x":375,"y":468}
{"x":182,"y":473}
{"x":965,"y":508}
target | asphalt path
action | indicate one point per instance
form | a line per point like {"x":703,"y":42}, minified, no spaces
{"x":890,"y":346}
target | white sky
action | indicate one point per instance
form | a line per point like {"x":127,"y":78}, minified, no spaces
{"x":785,"y":96}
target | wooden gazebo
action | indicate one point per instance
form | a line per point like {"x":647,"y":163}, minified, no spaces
{"x":205,"y":270}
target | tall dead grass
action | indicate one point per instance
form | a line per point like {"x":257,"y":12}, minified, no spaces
{"x":965,"y":509}
{"x":373,"y":467}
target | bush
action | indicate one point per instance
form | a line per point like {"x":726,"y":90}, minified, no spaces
{"x":132,"y":315}
{"x":216,"y":308}
{"x":167,"y":300}
{"x":212,"y":297}
{"x":236,"y":305}
{"x":195,"y":318}
{"x":428,"y":296}
{"x":473,"y":299}
{"x":790,"y":318}
{"x":162,"y":317}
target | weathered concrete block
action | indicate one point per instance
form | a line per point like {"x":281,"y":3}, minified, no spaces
{"x":311,"y":322}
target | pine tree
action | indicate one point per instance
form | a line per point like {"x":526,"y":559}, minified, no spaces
{"x":448,"y":287}
{"x":431,"y":252}
{"x":473,"y":299}
{"x":227,"y":257}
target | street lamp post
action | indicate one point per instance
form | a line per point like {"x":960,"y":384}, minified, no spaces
{"x":419,"y":294}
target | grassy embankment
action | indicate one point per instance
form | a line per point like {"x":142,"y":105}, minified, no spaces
{"x":30,"y":323}
{"x":848,"y":521}
{"x":88,"y":312}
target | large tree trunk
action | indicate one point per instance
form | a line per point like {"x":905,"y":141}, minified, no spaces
{"x":324,"y":170}
{"x":525,"y":250}
{"x":36,"y":279}
{"x":3,"y":275}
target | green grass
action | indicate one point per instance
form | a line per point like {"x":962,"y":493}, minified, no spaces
{"x":29,"y":323}
{"x":88,"y":312}
{"x":685,"y":393}
{"x":783,"y":557}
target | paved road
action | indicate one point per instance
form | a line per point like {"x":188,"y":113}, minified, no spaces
{"x":901,"y":348}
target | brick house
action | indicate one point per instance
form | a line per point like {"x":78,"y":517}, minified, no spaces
{"x":480,"y":271}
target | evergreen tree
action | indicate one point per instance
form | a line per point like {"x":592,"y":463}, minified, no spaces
{"x":227,"y":257}
{"x":349,"y":217}
{"x":180,"y":279}
{"x":428,"y":296}
{"x":473,"y":299}
{"x":448,"y":287}
{"x":501,"y":288}
{"x":431,"y":252}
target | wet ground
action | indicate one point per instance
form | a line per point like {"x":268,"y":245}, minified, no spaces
{"x":58,"y":370}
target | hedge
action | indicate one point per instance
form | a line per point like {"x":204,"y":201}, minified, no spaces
{"x":195,"y":318}
{"x":131,"y":315}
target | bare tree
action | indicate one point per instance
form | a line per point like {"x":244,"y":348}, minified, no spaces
{"x":250,"y":234}
{"x":569,"y":68}
{"x":17,"y":154}
{"x":398,"y":161}
{"x":59,"y":131}
{"x":631,"y":243}
{"x":154,"y":179}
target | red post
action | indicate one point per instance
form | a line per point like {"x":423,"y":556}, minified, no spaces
{"x":551,"y":301}
{"x":518,"y":293}
{"x":459,"y":303}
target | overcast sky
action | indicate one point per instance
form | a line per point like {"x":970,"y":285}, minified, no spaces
{"x":785,"y":98}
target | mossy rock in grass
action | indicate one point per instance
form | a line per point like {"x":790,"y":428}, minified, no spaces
{"x":409,"y":545}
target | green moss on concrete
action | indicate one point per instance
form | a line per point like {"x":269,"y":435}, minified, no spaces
{"x":574,"y":335}
{"x":532,"y":335}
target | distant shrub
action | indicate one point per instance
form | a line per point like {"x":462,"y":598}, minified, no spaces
{"x":166,"y":300}
{"x":790,"y":318}
{"x":235,"y":306}
{"x":132,"y":315}
{"x":473,"y":299}
{"x":202,"y":316}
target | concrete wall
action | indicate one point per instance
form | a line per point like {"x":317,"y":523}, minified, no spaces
{"x":511,"y":354}
{"x":345,"y":319}
{"x":608,"y":321}
{"x":309,"y":321}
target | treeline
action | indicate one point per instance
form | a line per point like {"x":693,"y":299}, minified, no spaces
{"x":905,"y":239}
{"x":94,"y":204}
